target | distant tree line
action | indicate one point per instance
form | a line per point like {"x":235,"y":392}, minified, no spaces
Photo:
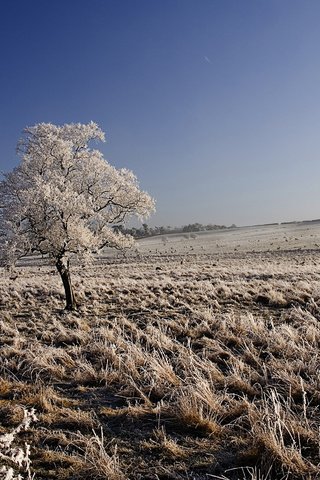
{"x":147,"y":231}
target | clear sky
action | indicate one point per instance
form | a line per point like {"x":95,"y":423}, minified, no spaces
{"x":214,"y":104}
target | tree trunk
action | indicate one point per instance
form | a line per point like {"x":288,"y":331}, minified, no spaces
{"x":66,"y":280}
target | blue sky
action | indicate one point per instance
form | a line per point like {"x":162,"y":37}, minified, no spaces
{"x":214,"y":104}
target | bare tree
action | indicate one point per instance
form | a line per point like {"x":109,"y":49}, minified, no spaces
{"x":64,"y":199}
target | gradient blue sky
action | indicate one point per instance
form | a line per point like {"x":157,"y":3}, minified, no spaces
{"x":214,"y":104}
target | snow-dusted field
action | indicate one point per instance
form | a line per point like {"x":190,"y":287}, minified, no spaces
{"x":244,"y":239}
{"x":189,"y":358}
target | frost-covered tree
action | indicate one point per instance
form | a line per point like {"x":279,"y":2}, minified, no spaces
{"x":64,"y":199}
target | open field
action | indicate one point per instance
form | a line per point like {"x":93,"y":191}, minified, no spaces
{"x":190,"y":358}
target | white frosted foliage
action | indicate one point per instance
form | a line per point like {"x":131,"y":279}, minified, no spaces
{"x":17,"y":456}
{"x":64,"y":197}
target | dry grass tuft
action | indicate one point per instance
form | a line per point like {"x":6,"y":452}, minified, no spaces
{"x":98,"y":463}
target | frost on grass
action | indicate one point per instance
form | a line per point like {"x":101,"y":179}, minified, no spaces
{"x":16,"y":459}
{"x":206,"y":368}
